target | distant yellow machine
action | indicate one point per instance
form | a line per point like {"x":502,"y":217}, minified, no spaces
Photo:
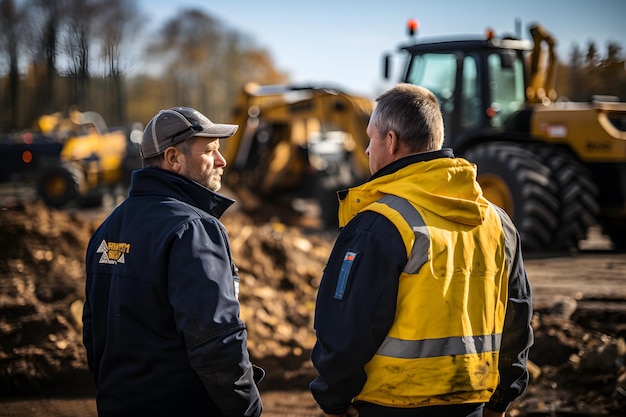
{"x":93,"y":159}
{"x":297,"y":142}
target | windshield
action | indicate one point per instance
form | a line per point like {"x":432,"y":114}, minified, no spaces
{"x":505,"y":93}
{"x":435,"y":72}
{"x":506,"y":83}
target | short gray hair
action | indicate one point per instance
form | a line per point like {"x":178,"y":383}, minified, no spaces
{"x":413,"y":113}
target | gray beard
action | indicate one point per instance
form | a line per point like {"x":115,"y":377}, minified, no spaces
{"x":211,"y":180}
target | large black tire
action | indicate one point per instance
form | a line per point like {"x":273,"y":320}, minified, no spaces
{"x":60,"y":185}
{"x":577,"y":195}
{"x":515,"y":179}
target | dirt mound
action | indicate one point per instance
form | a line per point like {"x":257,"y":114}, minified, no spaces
{"x":41,"y":276}
{"x":575,"y":371}
{"x":577,"y":363}
{"x":280,"y":268}
{"x":42,"y":289}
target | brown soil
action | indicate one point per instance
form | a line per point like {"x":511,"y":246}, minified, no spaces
{"x":577,"y":360}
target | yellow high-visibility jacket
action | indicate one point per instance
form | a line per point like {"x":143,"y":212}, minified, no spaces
{"x":443,"y":346}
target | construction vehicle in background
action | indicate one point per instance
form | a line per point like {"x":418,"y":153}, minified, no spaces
{"x":93,"y":160}
{"x":23,"y":154}
{"x":556,"y":167}
{"x":296,"y":144}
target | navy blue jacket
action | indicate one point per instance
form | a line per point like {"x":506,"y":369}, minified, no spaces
{"x":161,"y":317}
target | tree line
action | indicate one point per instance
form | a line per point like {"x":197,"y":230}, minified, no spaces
{"x":58,"y":54}
{"x":55,"y":54}
{"x":591,"y":73}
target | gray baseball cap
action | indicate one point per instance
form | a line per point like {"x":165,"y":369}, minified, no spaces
{"x":176,"y":125}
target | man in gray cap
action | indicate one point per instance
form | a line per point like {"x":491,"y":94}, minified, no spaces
{"x":161,"y":317}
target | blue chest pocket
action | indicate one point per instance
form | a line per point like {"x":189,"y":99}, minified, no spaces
{"x":344,"y":273}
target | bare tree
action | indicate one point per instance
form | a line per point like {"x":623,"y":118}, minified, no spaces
{"x":79,"y":23}
{"x":11,"y":22}
{"x":245,"y":62}
{"x":46,"y":19}
{"x":117,"y":22}
{"x":206,"y":62}
{"x":591,"y":58}
{"x":188,"y":48}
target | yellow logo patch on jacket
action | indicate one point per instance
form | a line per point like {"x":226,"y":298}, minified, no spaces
{"x":113,"y":252}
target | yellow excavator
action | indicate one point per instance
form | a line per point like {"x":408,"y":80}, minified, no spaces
{"x":556,"y":167}
{"x":296,"y":143}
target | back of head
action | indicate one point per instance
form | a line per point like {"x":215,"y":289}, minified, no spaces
{"x":413,"y":113}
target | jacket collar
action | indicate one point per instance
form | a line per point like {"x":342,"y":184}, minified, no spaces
{"x":156,"y":181}
{"x":434,"y":181}
{"x":411,"y":159}
{"x":404,"y":162}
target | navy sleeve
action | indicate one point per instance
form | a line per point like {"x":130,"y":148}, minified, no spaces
{"x":355,"y":308}
{"x":517,"y":335}
{"x":201,"y":289}
{"x":87,"y":309}
{"x":87,"y":326}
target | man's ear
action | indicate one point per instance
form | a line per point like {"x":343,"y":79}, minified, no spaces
{"x":171,"y":159}
{"x":393,"y":143}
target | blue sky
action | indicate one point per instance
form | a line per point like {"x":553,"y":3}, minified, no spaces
{"x":342,"y":42}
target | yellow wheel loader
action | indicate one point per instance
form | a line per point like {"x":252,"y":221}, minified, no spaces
{"x":556,"y":167}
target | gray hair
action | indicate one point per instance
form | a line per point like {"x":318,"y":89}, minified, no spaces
{"x":413,"y":113}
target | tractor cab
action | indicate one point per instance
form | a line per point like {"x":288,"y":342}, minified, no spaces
{"x":537,"y":155}
{"x":480,"y":83}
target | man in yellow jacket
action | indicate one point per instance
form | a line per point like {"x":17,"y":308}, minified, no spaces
{"x":424,"y":307}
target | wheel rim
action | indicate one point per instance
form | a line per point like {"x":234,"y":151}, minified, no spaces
{"x":496,"y":191}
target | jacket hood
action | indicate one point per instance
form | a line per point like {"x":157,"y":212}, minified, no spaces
{"x":446,"y":186}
